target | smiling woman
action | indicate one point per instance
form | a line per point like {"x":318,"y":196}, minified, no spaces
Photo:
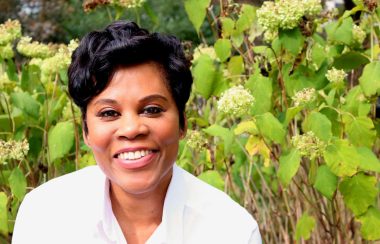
{"x":132,"y":87}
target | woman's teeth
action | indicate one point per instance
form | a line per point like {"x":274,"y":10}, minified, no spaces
{"x":134,"y":155}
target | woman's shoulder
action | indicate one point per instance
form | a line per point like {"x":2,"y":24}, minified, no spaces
{"x":208,"y":200}
{"x":215,"y":214}
{"x":67,"y":191}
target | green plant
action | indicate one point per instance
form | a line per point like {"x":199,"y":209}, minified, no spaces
{"x":282,"y":116}
{"x":304,"y":158}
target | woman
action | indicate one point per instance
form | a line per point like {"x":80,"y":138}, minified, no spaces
{"x":132,"y":87}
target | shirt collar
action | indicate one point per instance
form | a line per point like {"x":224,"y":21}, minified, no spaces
{"x":171,"y":227}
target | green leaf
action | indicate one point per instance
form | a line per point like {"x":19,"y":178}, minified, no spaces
{"x":370,"y":79}
{"x":262,"y":90}
{"x":246,"y":127}
{"x":26,"y":103}
{"x":350,"y":60}
{"x":270,"y":127}
{"x":228,"y":26}
{"x":224,"y":133}
{"x":246,"y":18}
{"x":57,"y":107}
{"x":236,"y":65}
{"x":289,"y":165}
{"x":60,"y":140}
{"x":291,"y":113}
{"x":340,"y":32}
{"x":370,"y":224}
{"x":292,"y":40}
{"x":353,"y":100}
{"x":318,"y":55}
{"x":213,"y":178}
{"x":223,"y":49}
{"x":342,"y":158}
{"x":204,"y":75}
{"x":17,"y":183}
{"x":305,"y":226}
{"x":326,"y":182}
{"x":368,"y":160}
{"x":319,"y":124}
{"x":359,"y":192}
{"x":361,"y":131}
{"x":196,"y":10}
{"x":3,"y":214}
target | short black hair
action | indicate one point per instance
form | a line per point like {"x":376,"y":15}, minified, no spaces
{"x":123,"y":44}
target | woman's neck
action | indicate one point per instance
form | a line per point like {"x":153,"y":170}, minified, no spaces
{"x":138,"y":215}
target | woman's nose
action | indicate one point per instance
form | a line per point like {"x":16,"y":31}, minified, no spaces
{"x":131,"y":127}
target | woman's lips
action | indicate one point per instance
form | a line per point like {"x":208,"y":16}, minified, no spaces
{"x":135,"y":160}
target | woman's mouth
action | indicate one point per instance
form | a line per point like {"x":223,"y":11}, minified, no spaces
{"x":135,"y":159}
{"x":133,"y":155}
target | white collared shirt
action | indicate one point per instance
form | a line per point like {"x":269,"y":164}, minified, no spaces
{"x":76,"y":208}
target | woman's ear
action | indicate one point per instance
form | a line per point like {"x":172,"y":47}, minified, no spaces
{"x":85,"y":133}
{"x":183,"y":130}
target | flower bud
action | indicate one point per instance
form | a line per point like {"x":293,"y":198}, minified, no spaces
{"x":309,"y":145}
{"x":304,"y":97}
{"x":335,"y":75}
{"x":195,"y":140}
{"x":235,"y":102}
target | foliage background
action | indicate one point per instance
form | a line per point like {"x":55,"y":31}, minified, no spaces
{"x":282,"y":116}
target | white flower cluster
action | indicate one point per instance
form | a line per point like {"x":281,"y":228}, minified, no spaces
{"x":335,"y":75}
{"x":6,"y":51}
{"x":304,"y":97}
{"x":195,"y":140}
{"x":128,"y":3}
{"x":9,"y":31}
{"x":35,"y":49}
{"x":286,"y":14}
{"x":204,"y":49}
{"x":13,"y":150}
{"x":235,"y":101}
{"x":358,"y":34}
{"x":309,"y":145}
{"x":4,"y":79}
{"x":59,"y":61}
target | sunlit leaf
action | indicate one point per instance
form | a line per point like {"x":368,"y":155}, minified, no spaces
{"x":270,"y":127}
{"x":326,"y":182}
{"x":236,"y":65}
{"x":370,"y":79}
{"x":196,"y":10}
{"x":319,"y":124}
{"x":17,"y":183}
{"x":305,"y":225}
{"x":359,"y":192}
{"x":342,"y":158}
{"x":60,"y":140}
{"x":3,"y":213}
{"x":248,"y":126}
{"x":223,"y":49}
{"x":361,"y":131}
{"x":370,"y":224}
{"x":289,"y":165}
{"x":262,"y":91}
{"x":213,"y":178}
{"x":368,"y":160}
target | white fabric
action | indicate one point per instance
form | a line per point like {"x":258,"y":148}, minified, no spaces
{"x":76,"y":208}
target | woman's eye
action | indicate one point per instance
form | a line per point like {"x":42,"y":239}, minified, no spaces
{"x":152,"y":110}
{"x":108,"y":114}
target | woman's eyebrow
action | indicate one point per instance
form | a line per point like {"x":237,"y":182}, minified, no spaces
{"x":105,"y":101}
{"x":153,"y":97}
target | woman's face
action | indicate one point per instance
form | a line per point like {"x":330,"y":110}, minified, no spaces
{"x":133,"y":129}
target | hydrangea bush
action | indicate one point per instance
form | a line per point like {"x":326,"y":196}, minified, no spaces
{"x":282,"y":116}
